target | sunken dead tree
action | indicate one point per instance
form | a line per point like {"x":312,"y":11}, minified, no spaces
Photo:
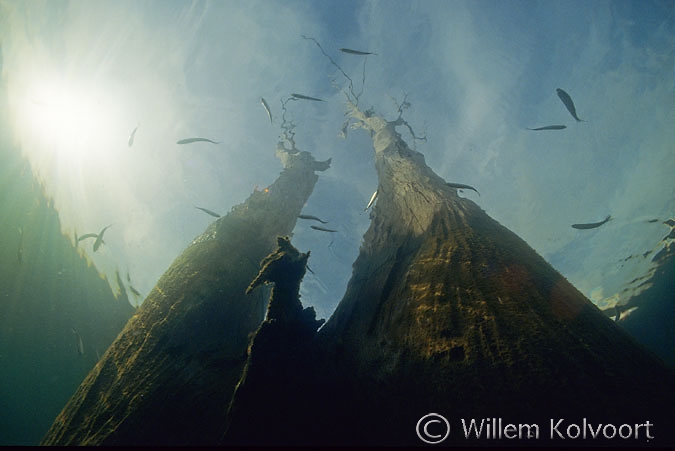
{"x":448,"y":311}
{"x":170,"y":374}
{"x":279,"y":366}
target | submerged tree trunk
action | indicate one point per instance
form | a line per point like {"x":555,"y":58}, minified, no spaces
{"x":447,"y":311}
{"x":169,"y":376}
{"x":279,"y":361}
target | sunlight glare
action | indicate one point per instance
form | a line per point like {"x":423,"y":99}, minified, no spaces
{"x":74,"y":133}
{"x":71,"y":120}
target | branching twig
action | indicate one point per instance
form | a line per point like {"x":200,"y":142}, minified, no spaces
{"x":363,"y":80}
{"x":351,"y":83}
{"x":287,"y":127}
{"x":402,"y":106}
{"x":400,"y":121}
{"x":353,"y":100}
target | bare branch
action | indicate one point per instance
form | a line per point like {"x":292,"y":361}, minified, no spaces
{"x":404,"y":105}
{"x":351,"y":83}
{"x":287,"y":127}
{"x":363,"y":80}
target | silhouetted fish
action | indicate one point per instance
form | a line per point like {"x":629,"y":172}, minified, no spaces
{"x":131,"y":137}
{"x":99,"y":238}
{"x":300,"y":96}
{"x":357,"y":52}
{"x":195,"y":140}
{"x":87,"y":235}
{"x":208,"y":212}
{"x":267,"y":108}
{"x":591,"y":225}
{"x":313,"y":218}
{"x":323,"y":229}
{"x":462,"y":186}
{"x":567,"y":100}
{"x":19,"y":252}
{"x":550,"y":127}
{"x":78,"y":341}
{"x":134,"y":291}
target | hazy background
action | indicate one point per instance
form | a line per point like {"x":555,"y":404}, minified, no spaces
{"x":76,"y":78}
{"x":81,"y":75}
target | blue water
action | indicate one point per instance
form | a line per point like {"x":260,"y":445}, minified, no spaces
{"x":78,"y":77}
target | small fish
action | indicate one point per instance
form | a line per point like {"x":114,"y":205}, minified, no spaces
{"x":78,"y":340}
{"x":300,"y":96}
{"x":591,"y":225}
{"x":323,"y":229}
{"x":19,"y":252}
{"x":372,"y":199}
{"x":134,"y":291}
{"x":208,"y":212}
{"x":462,"y":186}
{"x":99,"y":238}
{"x":131,"y":137}
{"x":567,"y":100}
{"x":356,"y":52}
{"x":313,"y":218}
{"x":550,"y":127}
{"x":267,"y":108}
{"x":87,"y":235}
{"x":652,"y":220}
{"x":195,"y":140}
{"x":627,"y":312}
